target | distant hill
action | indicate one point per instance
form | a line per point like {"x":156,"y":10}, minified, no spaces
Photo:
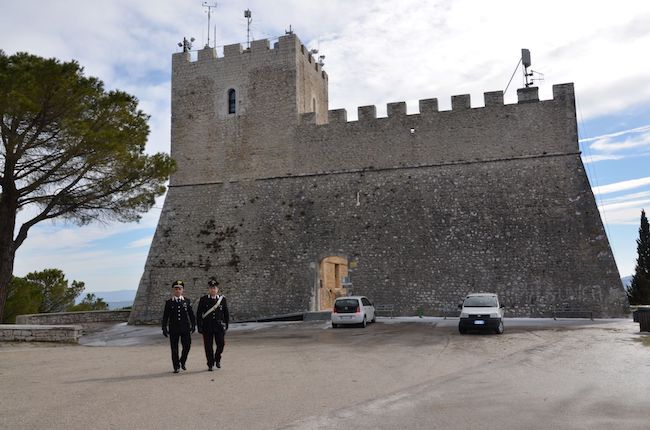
{"x":626,"y":280}
{"x":119,"y":305}
{"x":116,"y":299}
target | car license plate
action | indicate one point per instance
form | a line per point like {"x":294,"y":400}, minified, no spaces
{"x":479,"y":322}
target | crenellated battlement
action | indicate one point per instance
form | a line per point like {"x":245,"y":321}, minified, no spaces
{"x":284,"y":130}
{"x":462,"y":134}
{"x":562,"y":93}
{"x":261,"y":51}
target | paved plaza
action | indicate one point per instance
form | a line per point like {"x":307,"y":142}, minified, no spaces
{"x":403,"y":373}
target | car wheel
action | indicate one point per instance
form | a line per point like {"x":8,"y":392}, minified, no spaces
{"x":499,"y":329}
{"x":334,"y":325}
{"x":374,"y":318}
{"x":364,"y":323}
{"x":462,"y":330}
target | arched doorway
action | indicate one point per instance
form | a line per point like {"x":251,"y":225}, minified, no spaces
{"x":333,"y":271}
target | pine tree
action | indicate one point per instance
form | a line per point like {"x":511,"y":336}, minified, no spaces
{"x":69,"y":150}
{"x":639,"y":291}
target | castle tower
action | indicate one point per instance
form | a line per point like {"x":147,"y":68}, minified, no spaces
{"x":289,"y":204}
{"x":235,"y":117}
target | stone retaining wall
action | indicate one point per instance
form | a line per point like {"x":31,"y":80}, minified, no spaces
{"x":40,"y":333}
{"x":74,"y":317}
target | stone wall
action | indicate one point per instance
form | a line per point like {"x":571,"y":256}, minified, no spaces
{"x":525,"y":228}
{"x":40,"y":333}
{"x":74,"y":317}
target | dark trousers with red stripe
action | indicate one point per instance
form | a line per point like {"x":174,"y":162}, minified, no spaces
{"x":210,"y":338}
{"x":186,"y":342}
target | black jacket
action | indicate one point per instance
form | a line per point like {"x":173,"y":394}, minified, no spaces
{"x":212,"y":321}
{"x":178,"y":316}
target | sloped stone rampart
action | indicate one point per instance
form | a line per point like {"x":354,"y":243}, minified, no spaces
{"x":527,"y":229}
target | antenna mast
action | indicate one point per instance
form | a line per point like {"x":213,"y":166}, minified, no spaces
{"x":210,"y":7}
{"x":525,"y":61}
{"x":249,"y":18}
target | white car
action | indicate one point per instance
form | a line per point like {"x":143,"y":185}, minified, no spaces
{"x":481,"y":311}
{"x":352,"y":310}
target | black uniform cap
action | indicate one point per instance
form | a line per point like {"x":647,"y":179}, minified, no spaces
{"x":178,"y":283}
{"x":213,"y":283}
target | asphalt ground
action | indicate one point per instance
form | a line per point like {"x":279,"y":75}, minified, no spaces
{"x":399,"y":373}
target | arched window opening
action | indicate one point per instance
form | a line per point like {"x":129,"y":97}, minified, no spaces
{"x":232,"y":101}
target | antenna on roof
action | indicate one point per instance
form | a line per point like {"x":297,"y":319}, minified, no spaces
{"x":289,"y":31}
{"x":186,"y":44}
{"x":210,"y":7}
{"x":321,"y":58}
{"x":525,"y":61}
{"x":249,"y":18}
{"x":528,"y":76}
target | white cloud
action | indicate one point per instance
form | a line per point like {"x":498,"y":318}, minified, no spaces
{"x":587,"y":159}
{"x":641,"y":129}
{"x":621,"y":186}
{"x":145,"y":241}
{"x":437,"y":49}
{"x":610,"y":145}
{"x":626,"y":198}
{"x":620,"y":145}
{"x":627,"y":212}
{"x":376,"y":51}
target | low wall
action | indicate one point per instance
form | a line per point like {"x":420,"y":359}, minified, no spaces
{"x":74,"y":317}
{"x":40,"y":333}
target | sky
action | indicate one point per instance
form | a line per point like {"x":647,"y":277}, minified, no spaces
{"x":376,"y":52}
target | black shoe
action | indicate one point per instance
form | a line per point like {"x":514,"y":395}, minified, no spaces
{"x":183,"y":366}
{"x":218,"y":364}
{"x":209,"y":368}
{"x":175,"y":370}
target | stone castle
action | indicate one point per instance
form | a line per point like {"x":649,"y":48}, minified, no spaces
{"x":289,"y":204}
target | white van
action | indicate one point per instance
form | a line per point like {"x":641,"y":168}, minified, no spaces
{"x":481,"y":311}
{"x":352,"y":310}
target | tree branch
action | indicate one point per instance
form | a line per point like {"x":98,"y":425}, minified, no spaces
{"x":22,"y":233}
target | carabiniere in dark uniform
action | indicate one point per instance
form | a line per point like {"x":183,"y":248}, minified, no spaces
{"x":213,"y":322}
{"x":179,"y":322}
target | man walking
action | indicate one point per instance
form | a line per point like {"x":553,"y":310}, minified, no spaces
{"x":213,"y":319}
{"x":179,"y":323}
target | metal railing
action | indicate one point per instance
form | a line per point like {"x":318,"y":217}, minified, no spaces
{"x":385,"y":308}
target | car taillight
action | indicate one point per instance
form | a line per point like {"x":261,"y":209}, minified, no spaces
{"x":357,"y":310}
{"x":334,"y":310}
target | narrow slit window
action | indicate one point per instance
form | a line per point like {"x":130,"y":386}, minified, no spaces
{"x":232,"y":101}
